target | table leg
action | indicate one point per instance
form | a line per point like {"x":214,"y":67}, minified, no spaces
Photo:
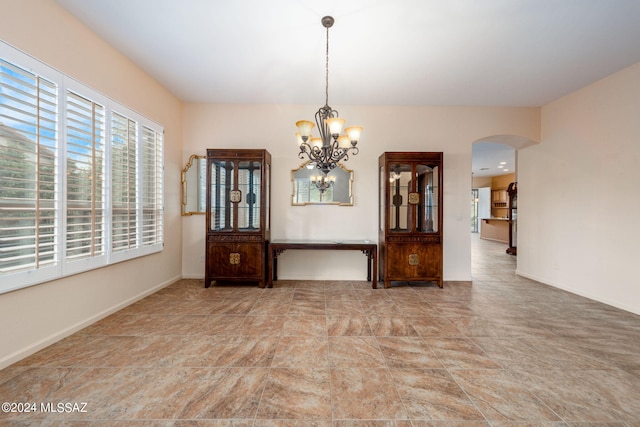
{"x":270,"y":267}
{"x":374,"y":282}
{"x":275,"y":267}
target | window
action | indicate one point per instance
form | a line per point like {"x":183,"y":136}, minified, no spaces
{"x":81,"y":177}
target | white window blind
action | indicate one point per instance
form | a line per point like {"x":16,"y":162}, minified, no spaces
{"x":124,"y":233}
{"x":81,"y":185}
{"x":85,"y":221}
{"x":28,"y":165}
{"x":152,"y":208}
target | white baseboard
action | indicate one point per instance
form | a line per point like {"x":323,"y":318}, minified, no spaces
{"x":193,"y":276}
{"x":616,"y":304}
{"x":53,"y":338}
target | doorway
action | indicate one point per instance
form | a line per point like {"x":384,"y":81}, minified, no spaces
{"x":494,"y":162}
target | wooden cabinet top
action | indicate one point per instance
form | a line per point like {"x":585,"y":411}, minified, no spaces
{"x":411,"y":156}
{"x":231,"y":153}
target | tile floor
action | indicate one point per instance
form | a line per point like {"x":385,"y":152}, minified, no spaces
{"x":504,"y":351}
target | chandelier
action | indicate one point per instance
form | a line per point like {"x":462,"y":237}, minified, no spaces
{"x":325,"y":152}
{"x":323,"y":182}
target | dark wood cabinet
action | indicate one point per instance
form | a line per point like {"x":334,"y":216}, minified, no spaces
{"x":237,"y":215}
{"x":410,"y":217}
{"x":512,"y":191}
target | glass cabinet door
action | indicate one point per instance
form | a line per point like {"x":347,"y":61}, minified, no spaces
{"x":427,"y":194}
{"x":267,"y":184}
{"x":400,"y":180}
{"x":249,"y":174}
{"x":413,"y":199}
{"x":222,"y":185}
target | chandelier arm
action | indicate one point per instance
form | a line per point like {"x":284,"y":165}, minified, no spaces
{"x":338,"y":152}
{"x":313,"y":153}
{"x":305,"y":149}
{"x":321,"y":116}
{"x":344,"y":155}
{"x":317,"y":152}
{"x":337,"y":155}
{"x":304,"y":146}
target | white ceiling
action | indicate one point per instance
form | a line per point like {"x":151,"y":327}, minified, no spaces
{"x":384,"y":52}
{"x":492,"y":159}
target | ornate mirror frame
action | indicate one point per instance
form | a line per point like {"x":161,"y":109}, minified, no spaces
{"x":305,"y":192}
{"x":194,"y":182}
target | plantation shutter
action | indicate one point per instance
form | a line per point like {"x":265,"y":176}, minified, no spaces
{"x":123,"y":183}
{"x":29,"y":211}
{"x":85,"y":225}
{"x":152,"y":210}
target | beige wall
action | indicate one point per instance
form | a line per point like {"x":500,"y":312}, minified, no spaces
{"x":38,"y":315}
{"x":448,"y":129}
{"x":578,"y":203}
{"x":501,"y":182}
{"x":483,"y":181}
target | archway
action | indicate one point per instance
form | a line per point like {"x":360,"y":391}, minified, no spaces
{"x":494,"y":167}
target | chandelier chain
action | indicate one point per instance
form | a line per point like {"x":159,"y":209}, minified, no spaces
{"x":326,"y":82}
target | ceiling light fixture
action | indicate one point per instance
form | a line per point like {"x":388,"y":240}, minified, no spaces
{"x":325,"y":152}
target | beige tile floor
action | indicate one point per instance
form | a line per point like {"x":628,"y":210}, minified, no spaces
{"x":504,"y":351}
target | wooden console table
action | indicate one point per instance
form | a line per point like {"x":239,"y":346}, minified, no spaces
{"x":278,"y":247}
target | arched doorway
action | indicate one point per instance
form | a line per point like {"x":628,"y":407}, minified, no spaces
{"x":494,"y":168}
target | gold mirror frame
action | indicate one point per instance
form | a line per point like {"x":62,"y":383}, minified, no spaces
{"x":193,"y":186}
{"x":303,"y":194}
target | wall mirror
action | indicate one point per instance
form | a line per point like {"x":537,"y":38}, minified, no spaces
{"x":194,"y":182}
{"x":310,"y":187}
